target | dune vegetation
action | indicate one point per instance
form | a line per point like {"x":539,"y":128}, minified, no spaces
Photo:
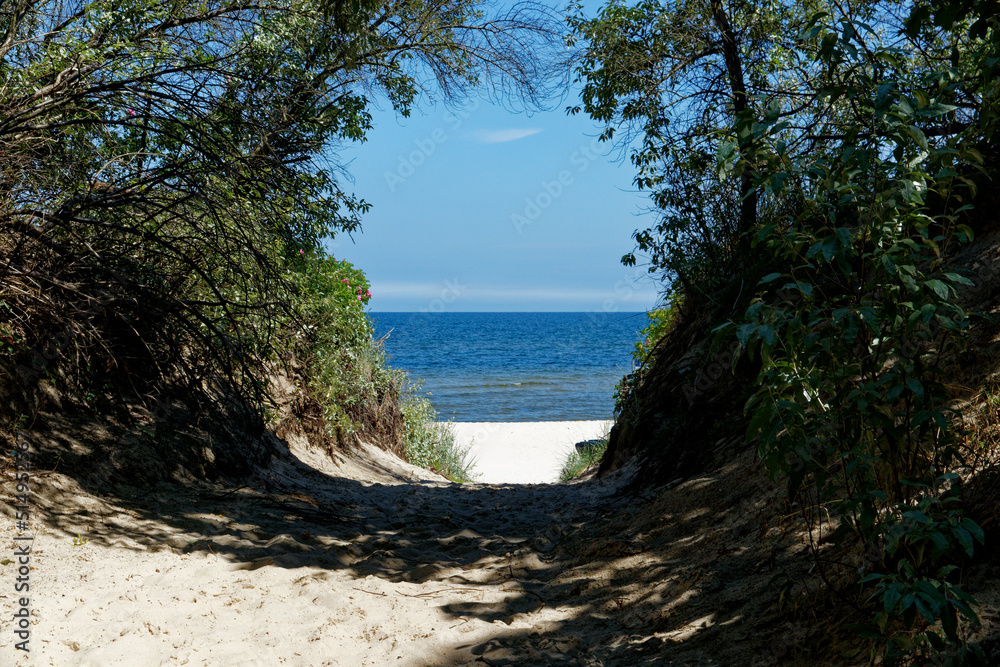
{"x":816,"y":399}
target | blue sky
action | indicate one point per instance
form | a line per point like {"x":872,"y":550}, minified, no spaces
{"x":481,"y":209}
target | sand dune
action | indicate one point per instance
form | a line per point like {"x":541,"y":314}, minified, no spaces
{"x":362,"y":561}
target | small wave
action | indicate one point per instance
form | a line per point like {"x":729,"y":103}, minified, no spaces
{"x":496,"y":385}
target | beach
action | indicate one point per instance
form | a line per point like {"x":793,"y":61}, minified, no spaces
{"x":523,"y":452}
{"x":354,"y":559}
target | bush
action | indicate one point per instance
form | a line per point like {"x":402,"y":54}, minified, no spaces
{"x":347,"y":374}
{"x":431,"y":444}
{"x":345,"y":367}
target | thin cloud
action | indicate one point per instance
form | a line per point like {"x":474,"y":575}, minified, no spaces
{"x":503,"y":136}
{"x":557,"y":294}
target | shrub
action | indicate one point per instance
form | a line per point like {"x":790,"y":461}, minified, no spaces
{"x":431,"y":444}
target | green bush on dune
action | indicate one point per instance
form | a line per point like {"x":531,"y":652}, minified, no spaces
{"x":431,"y":444}
{"x":347,"y":373}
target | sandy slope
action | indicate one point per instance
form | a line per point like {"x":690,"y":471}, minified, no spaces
{"x":365,"y":562}
{"x":368,"y":561}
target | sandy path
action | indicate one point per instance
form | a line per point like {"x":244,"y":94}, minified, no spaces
{"x":370,"y":562}
{"x":523,"y":452}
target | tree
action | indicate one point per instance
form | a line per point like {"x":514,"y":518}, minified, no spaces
{"x":674,"y":77}
{"x":691,"y":85}
{"x":162,"y":161}
{"x":863,"y":141}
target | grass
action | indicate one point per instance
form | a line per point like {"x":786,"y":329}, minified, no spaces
{"x":430,"y":444}
{"x":579,"y":461}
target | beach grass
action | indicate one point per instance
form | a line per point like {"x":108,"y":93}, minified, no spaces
{"x":583,"y":458}
{"x":431,"y":444}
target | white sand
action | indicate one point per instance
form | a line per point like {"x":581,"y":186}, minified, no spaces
{"x":523,"y":452}
{"x":360,"y":561}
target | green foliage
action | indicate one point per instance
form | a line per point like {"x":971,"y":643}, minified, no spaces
{"x":346,"y":368}
{"x":851,"y":407}
{"x":164,"y":160}
{"x":579,"y":461}
{"x":844,"y":143}
{"x":347,"y":373}
{"x":431,"y":444}
{"x":659,"y":322}
{"x":667,"y":79}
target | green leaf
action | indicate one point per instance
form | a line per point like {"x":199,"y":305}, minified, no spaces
{"x":891,"y":598}
{"x":939,"y":288}
{"x":964,"y":538}
{"x":959,"y":279}
{"x":974,"y":530}
{"x":767,"y":334}
{"x":941,"y":543}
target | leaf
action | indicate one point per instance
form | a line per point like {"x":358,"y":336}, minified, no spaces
{"x":844,"y":236}
{"x":939,"y":288}
{"x":974,"y":530}
{"x":924,"y":610}
{"x":769,"y":277}
{"x":917,"y":516}
{"x":767,"y":334}
{"x":891,"y":598}
{"x":965,"y":539}
{"x":941,"y":543}
{"x":961,"y":280}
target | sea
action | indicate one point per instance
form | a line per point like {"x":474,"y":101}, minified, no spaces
{"x":513,"y":366}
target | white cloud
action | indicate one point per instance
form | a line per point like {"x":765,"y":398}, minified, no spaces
{"x":503,"y":136}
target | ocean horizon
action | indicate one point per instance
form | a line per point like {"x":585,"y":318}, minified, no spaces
{"x":513,"y":366}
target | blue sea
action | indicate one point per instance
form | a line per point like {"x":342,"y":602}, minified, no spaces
{"x":513,"y":366}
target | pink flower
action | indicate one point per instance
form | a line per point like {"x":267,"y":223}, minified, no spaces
{"x":301,"y":251}
{"x":346,"y":281}
{"x":368,"y":293}
{"x":359,"y":297}
{"x":131,"y":112}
